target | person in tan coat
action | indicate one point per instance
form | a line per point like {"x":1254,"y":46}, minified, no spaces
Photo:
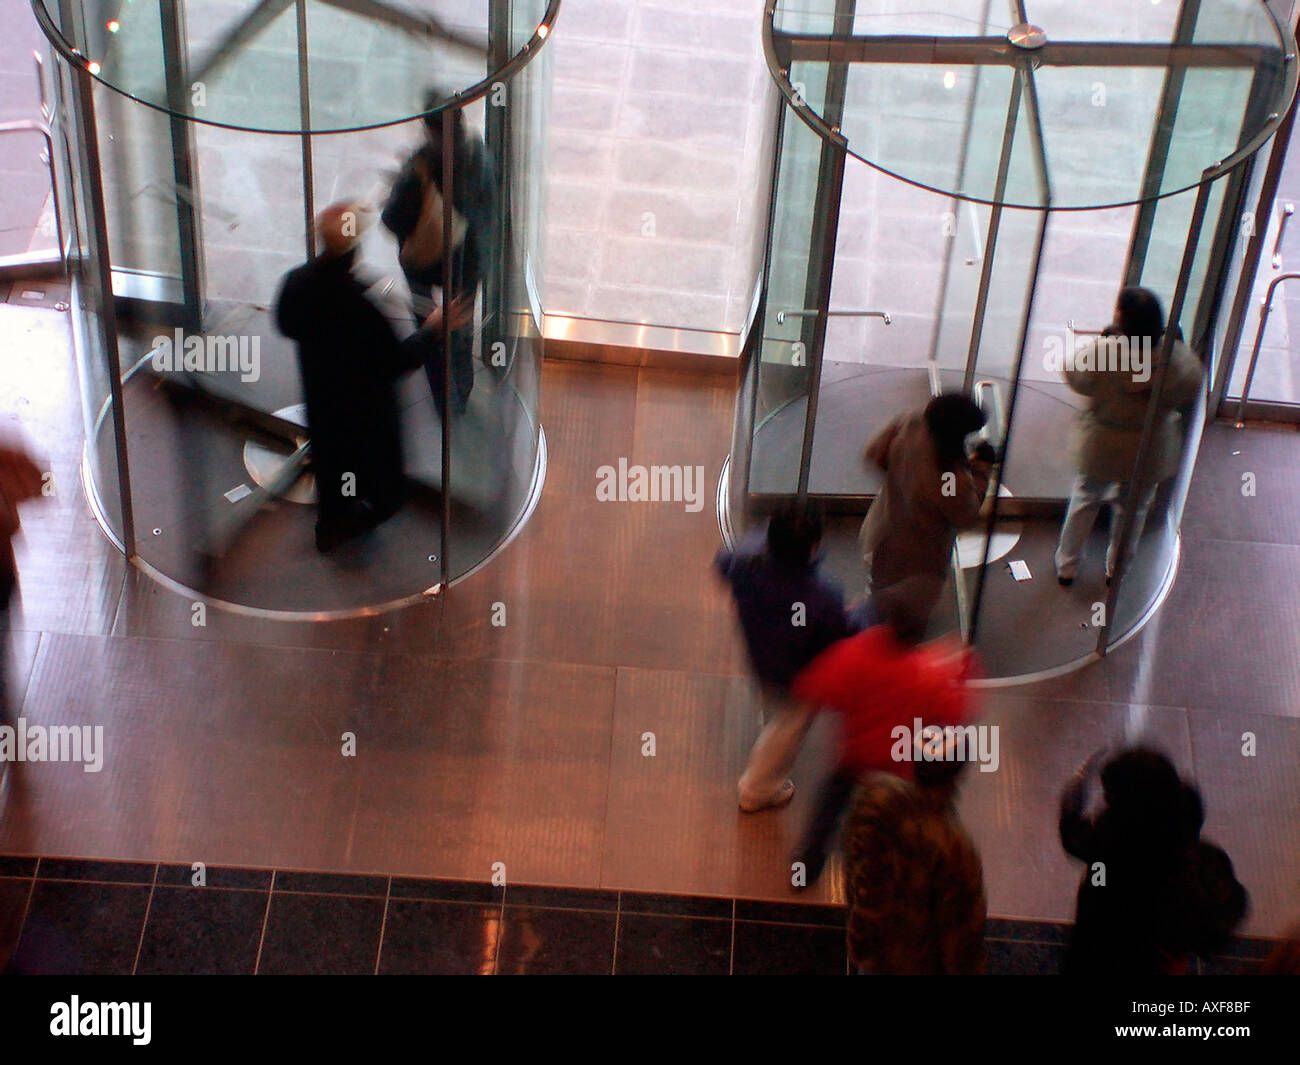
{"x":932,"y":489}
{"x":1117,"y":373}
{"x":20,"y":480}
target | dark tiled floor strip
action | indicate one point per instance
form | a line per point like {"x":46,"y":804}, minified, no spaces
{"x":60,"y":915}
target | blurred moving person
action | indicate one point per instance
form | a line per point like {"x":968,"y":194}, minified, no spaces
{"x":414,"y":214}
{"x":350,"y":360}
{"x":934,"y":487}
{"x":1153,"y":892}
{"x":1116,"y":372}
{"x":913,"y":878}
{"x":875,"y":681}
{"x":788,"y":613}
{"x":20,"y":480}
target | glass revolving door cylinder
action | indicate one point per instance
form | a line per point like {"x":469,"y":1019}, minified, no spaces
{"x":957,"y":200}
{"x":198,"y":144}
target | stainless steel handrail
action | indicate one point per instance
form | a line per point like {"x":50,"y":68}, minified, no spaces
{"x":28,"y":126}
{"x":781,"y":316}
{"x":1287,"y":212}
{"x":1266,"y":308}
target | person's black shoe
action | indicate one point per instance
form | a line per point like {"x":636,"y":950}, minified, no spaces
{"x":1065,"y":582}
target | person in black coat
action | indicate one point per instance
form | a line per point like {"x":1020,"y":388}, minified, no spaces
{"x":419,"y":238}
{"x":350,"y":360}
{"x":1153,"y":891}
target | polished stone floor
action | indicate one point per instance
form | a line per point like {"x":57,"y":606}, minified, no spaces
{"x":478,"y":743}
{"x":115,"y":918}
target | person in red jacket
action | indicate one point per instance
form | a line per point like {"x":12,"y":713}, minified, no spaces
{"x":879,"y":681}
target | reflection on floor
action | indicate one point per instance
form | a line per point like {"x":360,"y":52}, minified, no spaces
{"x":522,"y":743}
{"x":117,"y":918}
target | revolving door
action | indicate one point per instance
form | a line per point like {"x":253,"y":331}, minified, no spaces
{"x":196,"y":143}
{"x":956,"y":201}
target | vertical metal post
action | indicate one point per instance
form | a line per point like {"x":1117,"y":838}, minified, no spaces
{"x":1034,"y":115}
{"x":94,"y":186}
{"x":825,"y":230}
{"x":448,"y":291}
{"x":1137,"y":481}
{"x":498,"y":130}
{"x":1242,"y":301}
{"x":949,"y":248}
{"x":1161,"y":139}
{"x":184,"y":173}
{"x":991,"y":242}
{"x":754,"y":357}
{"x":304,"y":113}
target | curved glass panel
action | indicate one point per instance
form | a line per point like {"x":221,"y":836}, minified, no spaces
{"x":208,"y":322}
{"x":294,"y":66}
{"x":1111,"y":77}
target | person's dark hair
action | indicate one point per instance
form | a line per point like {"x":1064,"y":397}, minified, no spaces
{"x":951,"y":417}
{"x":793,"y":532}
{"x":898,"y":607}
{"x":941,"y":774}
{"x":433,"y":119}
{"x":1140,"y":314}
{"x":1138,"y":776}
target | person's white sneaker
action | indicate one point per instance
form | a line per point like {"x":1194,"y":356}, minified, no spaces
{"x":783,"y":795}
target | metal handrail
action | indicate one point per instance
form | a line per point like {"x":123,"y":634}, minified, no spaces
{"x":1265,"y":310}
{"x":29,"y":126}
{"x":1287,"y":212}
{"x":781,"y":316}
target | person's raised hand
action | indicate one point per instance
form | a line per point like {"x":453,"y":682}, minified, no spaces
{"x":462,"y":314}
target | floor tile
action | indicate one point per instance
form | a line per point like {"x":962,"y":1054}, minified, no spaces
{"x":797,"y":950}
{"x":672,"y":945}
{"x":13,"y":909}
{"x":86,"y":929}
{"x":202,"y":931}
{"x":318,"y":934}
{"x":426,"y":937}
{"x":556,"y":942}
{"x":1008,"y":958}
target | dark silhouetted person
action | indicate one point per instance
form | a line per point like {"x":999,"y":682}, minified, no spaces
{"x":934,"y":487}
{"x":414,"y":214}
{"x":913,"y":879}
{"x":875,"y":681}
{"x":1153,"y":892}
{"x":788,"y":613}
{"x":1117,"y":372}
{"x":350,"y":360}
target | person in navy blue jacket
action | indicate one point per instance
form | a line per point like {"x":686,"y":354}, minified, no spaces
{"x":788,"y":614}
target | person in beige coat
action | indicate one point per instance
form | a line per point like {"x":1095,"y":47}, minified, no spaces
{"x":1117,"y":373}
{"x":932,"y":489}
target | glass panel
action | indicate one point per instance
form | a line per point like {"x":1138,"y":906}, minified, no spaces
{"x":794,"y":303}
{"x":1101,"y":79}
{"x":225,"y":478}
{"x":958,"y":17}
{"x":890,"y":236}
{"x":495,"y":441}
{"x":89,"y":304}
{"x":367,"y":63}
